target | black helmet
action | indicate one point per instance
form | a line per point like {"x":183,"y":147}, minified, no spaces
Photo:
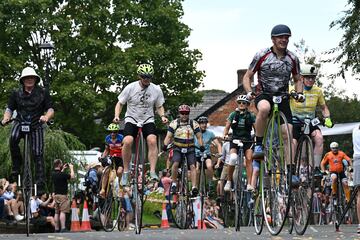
{"x":203,"y":119}
{"x":280,"y":30}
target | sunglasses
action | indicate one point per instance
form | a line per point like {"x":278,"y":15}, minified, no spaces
{"x":146,"y":76}
{"x":184,"y":113}
{"x":242,"y":102}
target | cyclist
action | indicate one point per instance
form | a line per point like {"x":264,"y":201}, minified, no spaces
{"x":314,"y":97}
{"x":356,"y":164}
{"x":29,"y":100}
{"x":225,"y":159}
{"x":113,"y":146}
{"x":241,"y":121}
{"x":208,"y":138}
{"x":274,"y":66}
{"x":182,"y":132}
{"x":141,"y":97}
{"x":334,"y":158}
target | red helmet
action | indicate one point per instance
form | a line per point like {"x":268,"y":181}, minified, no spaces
{"x":184,"y":108}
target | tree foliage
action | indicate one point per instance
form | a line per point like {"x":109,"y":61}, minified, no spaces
{"x":98,"y":46}
{"x":348,"y":50}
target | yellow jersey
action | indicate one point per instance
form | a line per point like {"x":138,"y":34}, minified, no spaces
{"x":313,"y":98}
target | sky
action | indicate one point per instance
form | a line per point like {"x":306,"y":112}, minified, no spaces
{"x":230,"y":32}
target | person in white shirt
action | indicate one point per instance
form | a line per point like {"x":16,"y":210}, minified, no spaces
{"x":356,"y":166}
{"x":36,"y":217}
{"x":142,"y":98}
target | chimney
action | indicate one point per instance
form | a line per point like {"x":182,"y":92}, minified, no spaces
{"x":240,"y":75}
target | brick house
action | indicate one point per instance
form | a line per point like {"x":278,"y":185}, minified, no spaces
{"x":218,"y":105}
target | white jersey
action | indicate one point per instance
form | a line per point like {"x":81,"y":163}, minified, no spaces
{"x":141,"y":101}
{"x":356,"y":141}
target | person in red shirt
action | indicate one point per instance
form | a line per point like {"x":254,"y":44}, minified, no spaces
{"x":335,"y":160}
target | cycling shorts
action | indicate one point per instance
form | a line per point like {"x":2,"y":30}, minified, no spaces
{"x":132,"y":130}
{"x":297,"y":130}
{"x":198,"y":159}
{"x":118,"y":162}
{"x":284,"y":106}
{"x":190,"y":155}
{"x":245,"y":147}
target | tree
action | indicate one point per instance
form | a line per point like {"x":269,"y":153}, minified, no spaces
{"x":348,"y":50}
{"x":98,"y":46}
{"x":57,"y":145}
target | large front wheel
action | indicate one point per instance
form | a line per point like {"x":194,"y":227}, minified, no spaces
{"x":303,"y":194}
{"x":276,"y":186}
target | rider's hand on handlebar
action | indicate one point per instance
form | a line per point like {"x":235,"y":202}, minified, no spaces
{"x":44,"y":119}
{"x":202,"y":149}
{"x":165,"y":148}
{"x":300,"y":97}
{"x":116,"y":120}
{"x":328,"y":123}
{"x":164,"y":119}
{"x":4,"y":121}
{"x":250,"y":95}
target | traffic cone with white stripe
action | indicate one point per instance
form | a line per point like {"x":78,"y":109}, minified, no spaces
{"x":164,"y":218}
{"x":85,"y":221}
{"x":75,"y":223}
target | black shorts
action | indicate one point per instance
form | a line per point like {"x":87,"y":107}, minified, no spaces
{"x":178,"y":156}
{"x":118,"y":162}
{"x":246,"y":146}
{"x":297,"y":130}
{"x":198,"y":159}
{"x":284,"y":106}
{"x":132,"y":129}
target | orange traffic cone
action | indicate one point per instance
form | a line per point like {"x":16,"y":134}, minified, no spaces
{"x":201,"y":224}
{"x":75,"y":223}
{"x":85,"y":221}
{"x":164,"y":218}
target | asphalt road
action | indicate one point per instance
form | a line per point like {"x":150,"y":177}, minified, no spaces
{"x":313,"y":232}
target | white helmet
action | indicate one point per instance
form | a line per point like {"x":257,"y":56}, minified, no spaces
{"x":27,"y":72}
{"x":334,"y":145}
{"x":242,"y":98}
{"x":308,"y":70}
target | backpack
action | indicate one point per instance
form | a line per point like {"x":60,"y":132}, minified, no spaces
{"x":89,"y":182}
{"x":191,"y":122}
{"x":235,"y":122}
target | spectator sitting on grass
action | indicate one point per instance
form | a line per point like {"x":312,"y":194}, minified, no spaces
{"x":36,"y":218}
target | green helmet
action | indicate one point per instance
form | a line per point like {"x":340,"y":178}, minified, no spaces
{"x":145,"y":69}
{"x":113,"y":127}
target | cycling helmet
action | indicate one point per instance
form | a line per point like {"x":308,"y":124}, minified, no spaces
{"x":242,"y":98}
{"x":308,"y":70}
{"x":184,"y":108}
{"x":145,"y":69}
{"x":202,"y":119}
{"x":113,"y":127}
{"x":334,"y":145}
{"x":27,"y":72}
{"x":280,"y":30}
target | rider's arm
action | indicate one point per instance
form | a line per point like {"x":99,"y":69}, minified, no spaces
{"x":106,"y":152}
{"x":168,"y":138}
{"x":227,"y":128}
{"x":48,"y":115}
{"x":324,"y":161}
{"x":247,"y":80}
{"x":161,"y":111}
{"x":72,"y":174}
{"x":118,"y":108}
{"x":298,"y":83}
{"x":325,"y":111}
{"x":218,"y":145}
{"x":199,"y":138}
{"x":7,"y":116}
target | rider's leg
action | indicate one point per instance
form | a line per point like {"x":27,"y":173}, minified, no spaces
{"x":37,"y":142}
{"x":174,"y":171}
{"x":346,"y":189}
{"x":193,"y":173}
{"x":209,"y":169}
{"x":104,"y":182}
{"x":126,"y":151}
{"x":249,"y":168}
{"x":318,"y":140}
{"x":152,"y":153}
{"x":358,"y":209}
{"x":334,"y":184}
{"x":255,"y":173}
{"x":15,"y":152}
{"x":231,"y":168}
{"x":263,"y":107}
